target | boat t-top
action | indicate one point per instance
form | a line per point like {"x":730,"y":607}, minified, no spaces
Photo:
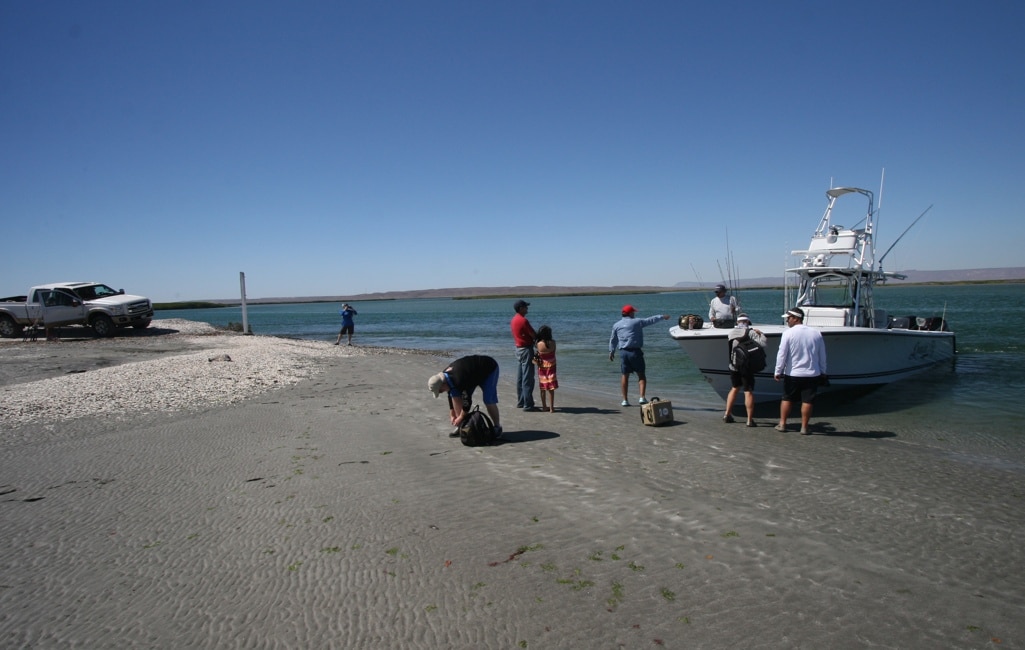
{"x":833,"y":284}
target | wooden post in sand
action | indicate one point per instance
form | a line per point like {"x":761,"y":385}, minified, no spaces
{"x":245,"y":313}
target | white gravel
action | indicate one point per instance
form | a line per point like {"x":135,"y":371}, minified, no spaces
{"x":173,"y":382}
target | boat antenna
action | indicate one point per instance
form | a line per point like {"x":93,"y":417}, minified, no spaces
{"x":786,"y":285}
{"x":874,"y":217}
{"x":901,"y":236}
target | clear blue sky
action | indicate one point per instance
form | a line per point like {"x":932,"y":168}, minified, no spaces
{"x":338,"y":148}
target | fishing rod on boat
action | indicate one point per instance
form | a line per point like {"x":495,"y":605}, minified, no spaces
{"x":736,"y":275}
{"x":731,"y":278}
{"x":726,"y":279}
{"x":901,"y":236}
{"x":701,"y":283}
{"x":729,"y":269}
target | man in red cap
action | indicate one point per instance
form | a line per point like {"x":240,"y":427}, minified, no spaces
{"x":628,"y":338}
{"x":524,"y":336}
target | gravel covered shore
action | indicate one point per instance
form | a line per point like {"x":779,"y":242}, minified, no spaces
{"x":182,"y":366}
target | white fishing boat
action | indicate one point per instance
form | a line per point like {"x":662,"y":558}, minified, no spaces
{"x":833,"y":283}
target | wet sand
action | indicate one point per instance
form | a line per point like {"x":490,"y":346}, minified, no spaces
{"x":337,"y":512}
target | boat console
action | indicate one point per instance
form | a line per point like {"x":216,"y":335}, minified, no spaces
{"x":922,"y":323}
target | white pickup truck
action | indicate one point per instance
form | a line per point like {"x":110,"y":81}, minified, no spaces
{"x":74,"y":303}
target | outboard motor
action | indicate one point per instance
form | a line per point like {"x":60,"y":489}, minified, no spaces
{"x":932,"y":324}
{"x":903,"y":323}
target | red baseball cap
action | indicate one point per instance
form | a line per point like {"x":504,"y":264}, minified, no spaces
{"x":628,"y":309}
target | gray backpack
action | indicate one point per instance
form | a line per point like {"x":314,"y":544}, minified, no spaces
{"x":747,"y":357}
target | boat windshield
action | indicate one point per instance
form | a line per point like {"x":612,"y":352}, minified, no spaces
{"x":829,"y":290}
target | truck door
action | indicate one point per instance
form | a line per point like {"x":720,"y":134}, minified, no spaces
{"x":59,"y":307}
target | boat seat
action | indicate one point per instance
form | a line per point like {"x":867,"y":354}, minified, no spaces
{"x":826,"y":316}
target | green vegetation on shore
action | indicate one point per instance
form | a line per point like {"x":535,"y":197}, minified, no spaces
{"x":500,"y":293}
{"x":193,"y":304}
{"x":571,"y":293}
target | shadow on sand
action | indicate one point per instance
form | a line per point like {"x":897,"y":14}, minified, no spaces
{"x":516,"y":437}
{"x":825,"y":428}
{"x":578,"y":410}
{"x":81,"y":333}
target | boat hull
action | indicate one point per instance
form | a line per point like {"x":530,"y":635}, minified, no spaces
{"x":858,"y":358}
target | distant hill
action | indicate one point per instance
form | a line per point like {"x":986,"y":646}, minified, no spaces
{"x":464,"y":292}
{"x":914,"y":277}
{"x":967,"y":275}
{"x":1009,"y":274}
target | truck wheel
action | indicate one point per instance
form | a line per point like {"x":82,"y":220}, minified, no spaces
{"x":141,"y":325}
{"x":102,"y":325}
{"x":8,"y":328}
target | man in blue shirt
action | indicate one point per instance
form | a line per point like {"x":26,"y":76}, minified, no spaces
{"x":348,"y":326}
{"x":628,"y":338}
{"x":460,"y":379}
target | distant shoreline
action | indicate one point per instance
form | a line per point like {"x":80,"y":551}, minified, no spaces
{"x":485,"y":293}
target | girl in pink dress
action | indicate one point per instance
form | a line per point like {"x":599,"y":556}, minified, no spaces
{"x":545,"y":361}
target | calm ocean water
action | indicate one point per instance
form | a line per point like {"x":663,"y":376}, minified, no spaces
{"x":972,"y":406}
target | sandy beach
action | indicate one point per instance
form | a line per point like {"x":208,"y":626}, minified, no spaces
{"x":308,"y":495}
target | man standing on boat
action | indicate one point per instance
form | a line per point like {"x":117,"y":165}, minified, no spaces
{"x":524,"y":336}
{"x":801,"y":364}
{"x":723,"y":310}
{"x":628,"y":338}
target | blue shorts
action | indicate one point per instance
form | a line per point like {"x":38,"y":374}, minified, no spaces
{"x":490,"y":388}
{"x":631,"y":361}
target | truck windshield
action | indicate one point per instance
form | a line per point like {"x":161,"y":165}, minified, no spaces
{"x":94,"y":291}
